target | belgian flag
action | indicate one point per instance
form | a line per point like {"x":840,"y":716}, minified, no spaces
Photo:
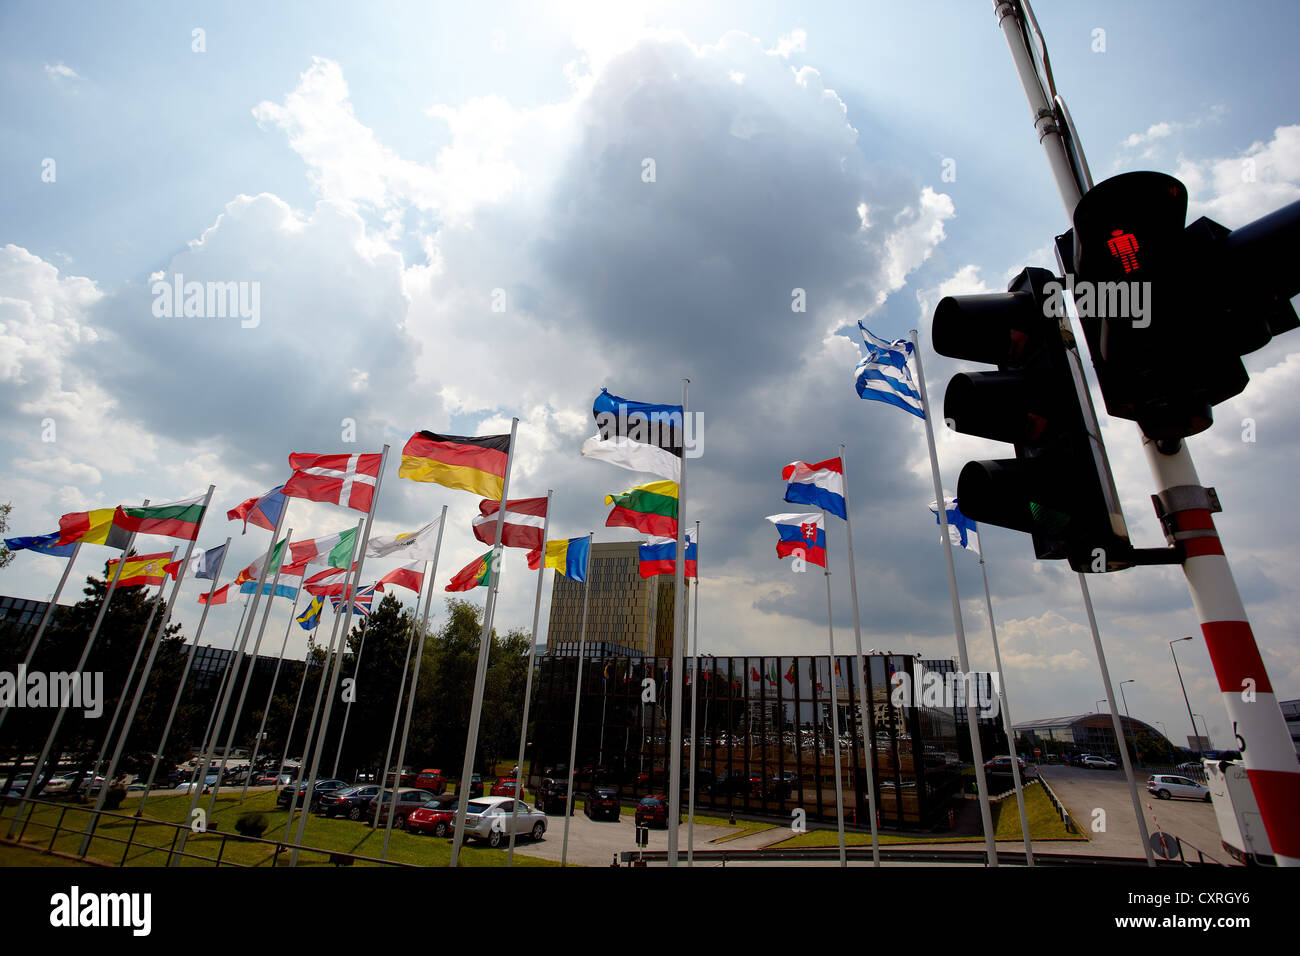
{"x":93,"y":527}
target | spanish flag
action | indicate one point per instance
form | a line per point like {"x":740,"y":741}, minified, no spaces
{"x":141,"y":569}
{"x":93,"y":527}
{"x":469,"y":464}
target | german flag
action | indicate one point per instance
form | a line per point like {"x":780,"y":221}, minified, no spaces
{"x":469,"y":464}
{"x":141,"y":569}
{"x":93,"y":527}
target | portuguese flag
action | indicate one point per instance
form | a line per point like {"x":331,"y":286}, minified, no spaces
{"x":141,"y":569}
{"x":650,"y":508}
{"x":469,"y":464}
{"x":179,"y":519}
{"x":473,"y":575}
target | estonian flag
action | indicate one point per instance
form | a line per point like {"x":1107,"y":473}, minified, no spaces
{"x":638,"y":436}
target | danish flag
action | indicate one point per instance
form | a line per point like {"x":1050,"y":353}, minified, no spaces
{"x":347,"y":480}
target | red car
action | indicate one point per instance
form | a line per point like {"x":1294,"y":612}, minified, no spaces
{"x":504,"y":788}
{"x":438,"y":819}
{"x":653,"y":812}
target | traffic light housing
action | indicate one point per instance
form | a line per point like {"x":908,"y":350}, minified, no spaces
{"x":1168,"y":311}
{"x":1058,"y":488}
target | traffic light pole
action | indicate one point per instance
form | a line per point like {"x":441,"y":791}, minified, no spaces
{"x":1186,"y":509}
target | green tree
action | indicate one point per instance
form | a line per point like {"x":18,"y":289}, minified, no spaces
{"x":5,"y":554}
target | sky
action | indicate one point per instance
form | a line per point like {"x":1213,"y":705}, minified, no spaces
{"x":447,"y":215}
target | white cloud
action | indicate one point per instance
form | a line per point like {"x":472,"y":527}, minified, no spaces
{"x":1235,"y":190}
{"x":61,"y":73}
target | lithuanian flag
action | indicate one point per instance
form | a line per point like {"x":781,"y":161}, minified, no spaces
{"x":650,"y":508}
{"x":93,"y":527}
{"x":472,"y":575}
{"x":178,"y":519}
{"x":141,"y":569}
{"x":470,"y":464}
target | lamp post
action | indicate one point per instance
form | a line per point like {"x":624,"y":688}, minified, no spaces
{"x":1179,"y":670}
{"x":1097,"y":704}
{"x":1206,"y":725}
{"x":1136,"y":755}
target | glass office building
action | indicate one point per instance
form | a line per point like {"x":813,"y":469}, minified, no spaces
{"x":765,"y":738}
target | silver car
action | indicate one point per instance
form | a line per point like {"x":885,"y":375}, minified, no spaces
{"x":1166,"y":786}
{"x":488,"y":818}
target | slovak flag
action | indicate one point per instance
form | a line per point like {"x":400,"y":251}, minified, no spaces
{"x":347,"y":480}
{"x":820,"y":485}
{"x":801,"y":533}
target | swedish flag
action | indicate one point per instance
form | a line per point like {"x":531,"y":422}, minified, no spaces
{"x":311,"y":617}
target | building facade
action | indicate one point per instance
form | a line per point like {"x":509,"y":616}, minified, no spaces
{"x":626,"y":614}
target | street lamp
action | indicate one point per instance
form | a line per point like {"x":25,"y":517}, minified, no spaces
{"x":1137,"y":756}
{"x":1184,"y":686}
{"x":1098,"y":704}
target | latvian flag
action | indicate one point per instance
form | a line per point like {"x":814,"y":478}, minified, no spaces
{"x":651,"y":508}
{"x":803,"y":535}
{"x":328,"y":582}
{"x":347,"y":480}
{"x":820,"y":485}
{"x":657,"y":556}
{"x":638,"y":436}
{"x":468,"y":464}
{"x":525,"y":518}
{"x":179,"y":519}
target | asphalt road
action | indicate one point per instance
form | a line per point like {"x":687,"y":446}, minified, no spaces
{"x":595,"y":842}
{"x":1086,"y":791}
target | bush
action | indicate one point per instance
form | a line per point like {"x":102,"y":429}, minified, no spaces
{"x":113,"y":799}
{"x":252,"y":824}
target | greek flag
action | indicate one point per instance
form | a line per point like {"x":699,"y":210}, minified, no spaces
{"x":962,"y":531}
{"x":884,"y":374}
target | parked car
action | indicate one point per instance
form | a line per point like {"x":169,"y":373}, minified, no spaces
{"x":552,"y":795}
{"x":294,"y":796}
{"x":436,"y":816}
{"x":1098,"y":763}
{"x":489,"y":819}
{"x":431,"y":780}
{"x":475,"y":785}
{"x":504,"y":788}
{"x":602,"y":803}
{"x":408,"y":800}
{"x":1166,"y":786}
{"x":351,"y":802}
{"x":653,"y":812}
{"x":1191,"y":766}
{"x":1002,"y":764}
{"x":210,"y":781}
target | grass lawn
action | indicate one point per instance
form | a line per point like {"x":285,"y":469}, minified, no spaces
{"x":23,"y":856}
{"x":741,"y":827}
{"x":151,"y":841}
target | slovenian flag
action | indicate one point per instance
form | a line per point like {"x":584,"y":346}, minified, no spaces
{"x":657,"y":556}
{"x":803,"y":534}
{"x":820,"y":485}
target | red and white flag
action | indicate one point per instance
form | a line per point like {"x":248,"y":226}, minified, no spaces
{"x":329,"y":581}
{"x":525,"y":518}
{"x":347,"y":480}
{"x":219,"y":596}
{"x":408,"y":576}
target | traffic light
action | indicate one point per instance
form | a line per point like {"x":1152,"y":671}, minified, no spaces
{"x":1168,"y":312}
{"x":1058,"y":488}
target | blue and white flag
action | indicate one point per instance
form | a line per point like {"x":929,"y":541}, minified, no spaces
{"x":42,"y":544}
{"x":962,"y":531}
{"x":820,"y":485}
{"x":281,"y":590}
{"x":884,"y":374}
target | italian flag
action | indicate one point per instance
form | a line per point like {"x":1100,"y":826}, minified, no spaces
{"x":179,"y":519}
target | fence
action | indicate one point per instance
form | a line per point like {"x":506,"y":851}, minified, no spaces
{"x":72,"y":821}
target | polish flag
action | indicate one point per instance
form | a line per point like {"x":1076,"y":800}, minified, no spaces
{"x":407,"y":576}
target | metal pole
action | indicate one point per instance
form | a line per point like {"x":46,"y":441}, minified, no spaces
{"x":35,"y":783}
{"x":695,"y":708}
{"x":485,"y":642}
{"x":397,"y":711}
{"x":577,"y":703}
{"x":1122,"y":696}
{"x":415,"y":683}
{"x":180,"y":686}
{"x":302,"y":684}
{"x":270,"y":696}
{"x":835,"y":709}
{"x":347,"y":711}
{"x":1114,"y":717}
{"x":863,"y":677}
{"x":679,"y":640}
{"x":1179,"y":670}
{"x":963,"y":659}
{"x":1006,"y":717}
{"x":528,"y":686}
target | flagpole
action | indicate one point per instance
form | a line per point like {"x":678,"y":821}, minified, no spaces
{"x":977,"y":751}
{"x":359,"y":549}
{"x":485,"y":641}
{"x":180,"y":686}
{"x":1006,"y":715}
{"x":208,"y":743}
{"x":302,"y":684}
{"x":347,"y":711}
{"x":521,"y":776}
{"x":270,"y":695}
{"x":679,"y":637}
{"x":35,"y":783}
{"x":415,"y":683}
{"x":835,"y":709}
{"x":126,"y":686}
{"x":252,"y":666}
{"x":864,"y":680}
{"x":397,"y":706}
{"x":236,"y":657}
{"x":577,"y":702}
{"x":40,"y":632}
{"x":695,"y":706}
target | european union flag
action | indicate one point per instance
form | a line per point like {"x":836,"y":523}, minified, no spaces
{"x":44,"y":543}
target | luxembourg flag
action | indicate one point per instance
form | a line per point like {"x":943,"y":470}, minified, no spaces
{"x":820,"y":485}
{"x":801,"y":533}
